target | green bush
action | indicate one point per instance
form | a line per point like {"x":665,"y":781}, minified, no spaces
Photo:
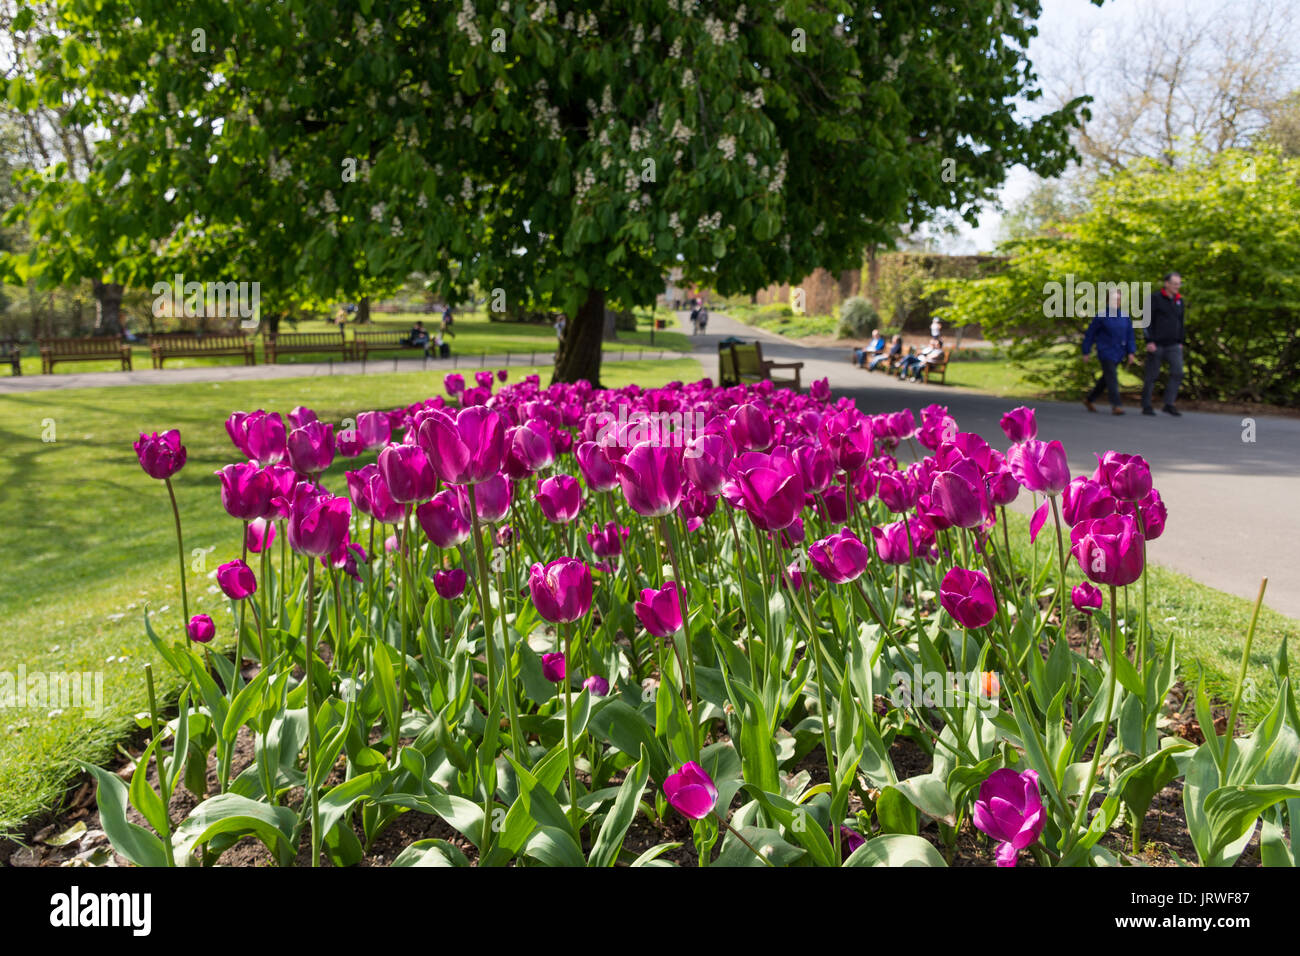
{"x":857,"y":318}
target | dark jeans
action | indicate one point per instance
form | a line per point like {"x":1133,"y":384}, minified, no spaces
{"x":1171,"y":354}
{"x":1109,"y":381}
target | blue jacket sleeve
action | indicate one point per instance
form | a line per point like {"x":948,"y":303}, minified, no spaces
{"x":1090,"y":336}
{"x":1132,"y":340}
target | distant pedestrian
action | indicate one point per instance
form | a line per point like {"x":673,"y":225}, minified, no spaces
{"x":560,"y":324}
{"x":695,"y":318}
{"x":704,"y":319}
{"x":936,"y":329}
{"x":1165,"y":337}
{"x":1112,"y":332}
{"x":447,"y":319}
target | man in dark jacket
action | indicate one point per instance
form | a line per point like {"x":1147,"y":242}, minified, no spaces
{"x":1112,"y":332}
{"x":1165,"y":337}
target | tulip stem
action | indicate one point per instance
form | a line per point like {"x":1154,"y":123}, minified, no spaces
{"x":489,"y":640}
{"x":180,"y":551}
{"x":568,"y":731}
{"x":736,"y":833}
{"x":311,"y":715}
{"x":157,"y":759}
{"x":816,"y":648}
{"x":686,"y":633}
{"x":1006,"y":546}
{"x":740,"y":579}
{"x":1060,"y":556}
{"x":261,"y":635}
{"x":516,"y":737}
{"x":1081,"y":812}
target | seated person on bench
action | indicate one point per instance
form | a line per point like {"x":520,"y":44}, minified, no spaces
{"x":417,"y":337}
{"x":914,"y":365}
{"x":874,"y":348}
{"x":895,"y":352}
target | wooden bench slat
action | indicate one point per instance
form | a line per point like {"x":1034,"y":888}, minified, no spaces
{"x":88,"y":349}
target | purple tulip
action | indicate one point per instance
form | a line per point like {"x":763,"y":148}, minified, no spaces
{"x":897,"y":491}
{"x":301,"y":416}
{"x":374,"y":429}
{"x":1019,"y":425}
{"x":892,"y":546}
{"x":559,"y":498}
{"x":245,"y":491}
{"x":502,"y":375}
{"x":1109,"y":550}
{"x":530,"y":446}
{"x":1153,"y":512}
{"x":201,"y":629}
{"x":820,"y":390}
{"x":407,"y":473}
{"x":492,"y":498}
{"x":236,"y":580}
{"x":750,"y":428}
{"x":453,"y":383}
{"x":561,"y":590}
{"x":771,"y":489}
{"x":1127,"y":476}
{"x":260,"y":536}
{"x":283,"y":480}
{"x":598,"y":686}
{"x":960,"y":493}
{"x":1086,"y":597}
{"x":442,"y":521}
{"x":1084,"y":499}
{"x":834,"y":505}
{"x":348,"y":443}
{"x":467,"y":449}
{"x":937,"y":426}
{"x":449,"y":584}
{"x":318,"y":521}
{"x":850,"y":840}
{"x":311,"y":448}
{"x":840,"y":557}
{"x":691,"y":791}
{"x":161,"y":456}
{"x":1040,"y":466}
{"x":597,"y":470}
{"x":259,"y":436}
{"x":1003,"y":488}
{"x":815,"y":467}
{"x":607,"y":542}
{"x":1010,"y":810}
{"x":705,"y":461}
{"x":968,"y":597}
{"x":651,"y":477}
{"x":660,"y":612}
{"x":848,"y":438}
{"x":553,"y":667}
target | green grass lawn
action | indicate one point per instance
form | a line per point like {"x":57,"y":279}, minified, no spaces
{"x":780,"y":318}
{"x":91,"y":541}
{"x":474,"y":335}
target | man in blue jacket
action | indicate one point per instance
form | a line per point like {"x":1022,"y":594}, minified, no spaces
{"x":1112,"y":333}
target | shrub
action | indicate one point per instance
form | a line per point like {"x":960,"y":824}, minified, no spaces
{"x":857,"y":318}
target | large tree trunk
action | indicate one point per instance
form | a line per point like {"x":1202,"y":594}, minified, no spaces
{"x":579,"y":351}
{"x":609,"y":331}
{"x":363,"y":310}
{"x":108,"y":307}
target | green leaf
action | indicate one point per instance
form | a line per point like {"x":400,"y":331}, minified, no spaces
{"x":609,"y":841}
{"x":134,"y":842}
{"x":1232,"y":811}
{"x":229,"y":813}
{"x":431,"y":853}
{"x":895,"y":849}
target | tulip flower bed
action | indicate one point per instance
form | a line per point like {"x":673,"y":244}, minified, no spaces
{"x":543,"y":620}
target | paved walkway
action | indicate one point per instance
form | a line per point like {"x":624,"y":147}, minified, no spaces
{"x":1234,"y":506}
{"x":245,"y":373}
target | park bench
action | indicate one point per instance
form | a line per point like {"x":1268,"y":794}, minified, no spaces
{"x":308,"y":342}
{"x":939,"y":368}
{"x":91,"y":349}
{"x":744,"y":364}
{"x":391,"y":341}
{"x":191,"y":345}
{"x":12,"y":352}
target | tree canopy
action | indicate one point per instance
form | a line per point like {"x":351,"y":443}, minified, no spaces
{"x":567,"y":154}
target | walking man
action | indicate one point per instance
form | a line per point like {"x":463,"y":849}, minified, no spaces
{"x":1165,"y":337}
{"x":1112,"y":332}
